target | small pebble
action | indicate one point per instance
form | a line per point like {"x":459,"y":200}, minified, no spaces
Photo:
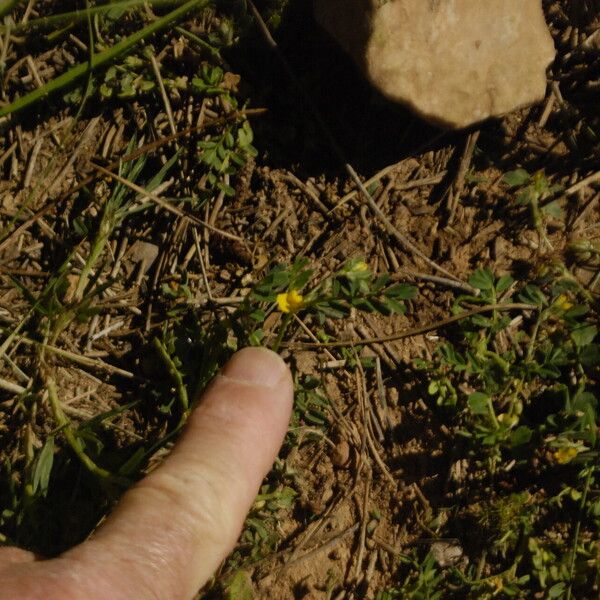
{"x":341,"y":454}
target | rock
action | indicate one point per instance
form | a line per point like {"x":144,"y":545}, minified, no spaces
{"x":447,"y":553}
{"x":453,"y":62}
{"x":144,"y":253}
{"x":341,"y":454}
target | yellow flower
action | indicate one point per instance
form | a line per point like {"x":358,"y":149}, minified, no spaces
{"x":290,"y":302}
{"x":498,"y":585}
{"x":508,"y":420}
{"x":361,"y":266}
{"x":562,"y":303}
{"x":564,"y":455}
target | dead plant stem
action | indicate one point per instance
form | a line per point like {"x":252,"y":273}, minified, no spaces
{"x":414,"y":331}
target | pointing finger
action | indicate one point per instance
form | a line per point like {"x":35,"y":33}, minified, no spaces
{"x":170,"y":531}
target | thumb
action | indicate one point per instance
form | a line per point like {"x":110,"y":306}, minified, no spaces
{"x":170,"y":531}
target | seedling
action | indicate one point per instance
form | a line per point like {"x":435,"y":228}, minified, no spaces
{"x":536,"y":192}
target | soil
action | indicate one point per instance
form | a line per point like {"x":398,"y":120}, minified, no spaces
{"x":292,"y":200}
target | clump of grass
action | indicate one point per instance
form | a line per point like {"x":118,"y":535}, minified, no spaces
{"x":50,"y":444}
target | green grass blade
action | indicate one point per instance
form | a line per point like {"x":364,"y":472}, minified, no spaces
{"x":64,"y":423}
{"x":75,"y":16}
{"x":81,"y":70}
{"x":159,"y":177}
{"x":7,"y":6}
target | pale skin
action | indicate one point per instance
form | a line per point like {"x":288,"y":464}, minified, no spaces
{"x":171,"y":530}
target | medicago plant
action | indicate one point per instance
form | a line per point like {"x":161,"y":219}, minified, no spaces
{"x":521,"y":396}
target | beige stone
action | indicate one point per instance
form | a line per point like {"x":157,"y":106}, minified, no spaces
{"x":453,"y":62}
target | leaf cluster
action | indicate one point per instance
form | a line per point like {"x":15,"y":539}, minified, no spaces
{"x":353,"y":287}
{"x":523,"y":395}
{"x":533,"y":190}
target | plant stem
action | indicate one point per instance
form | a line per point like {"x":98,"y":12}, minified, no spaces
{"x":588,"y":481}
{"x":492,"y":414}
{"x":203,"y":44}
{"x":416,"y":330}
{"x":65,"y":426}
{"x":532,"y":341}
{"x":538,"y":223}
{"x":174,"y":373}
{"x":81,"y":70}
{"x":284,"y":325}
{"x":107,"y":224}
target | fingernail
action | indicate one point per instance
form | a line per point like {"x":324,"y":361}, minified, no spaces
{"x":256,"y":366}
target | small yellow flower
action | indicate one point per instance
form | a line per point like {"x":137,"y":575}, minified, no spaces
{"x":361,"y":266}
{"x":497,"y":584}
{"x":508,"y":420}
{"x":562,"y":303}
{"x":290,"y":302}
{"x":564,"y":455}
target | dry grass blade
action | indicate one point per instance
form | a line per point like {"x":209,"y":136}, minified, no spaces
{"x":164,"y":204}
{"x":401,"y":237}
{"x":8,"y":236}
{"x":328,"y":545}
{"x":79,"y":359}
{"x":595,"y":177}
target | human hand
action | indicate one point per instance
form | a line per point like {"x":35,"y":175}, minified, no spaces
{"x":172,"y":529}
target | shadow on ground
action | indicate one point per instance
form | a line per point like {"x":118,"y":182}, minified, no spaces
{"x":371,"y":131}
